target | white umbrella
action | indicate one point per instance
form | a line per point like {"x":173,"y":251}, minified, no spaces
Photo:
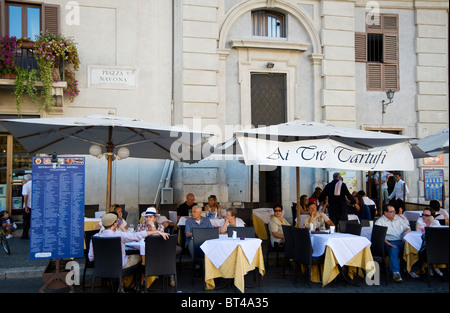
{"x":312,"y":144}
{"x":435,"y":144}
{"x":112,"y":136}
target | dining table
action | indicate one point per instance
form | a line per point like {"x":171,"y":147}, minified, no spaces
{"x":232,"y":258}
{"x":340,"y":250}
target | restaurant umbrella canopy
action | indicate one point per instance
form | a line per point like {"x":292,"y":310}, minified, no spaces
{"x":435,"y":144}
{"x":317,"y":145}
{"x":109,"y":135}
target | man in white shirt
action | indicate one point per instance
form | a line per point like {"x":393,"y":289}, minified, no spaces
{"x":400,"y":186}
{"x":26,"y":213}
{"x":397,"y":229}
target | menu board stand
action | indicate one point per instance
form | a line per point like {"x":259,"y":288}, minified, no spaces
{"x":56,"y":279}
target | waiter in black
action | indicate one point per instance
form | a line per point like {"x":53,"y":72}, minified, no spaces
{"x":337,"y":193}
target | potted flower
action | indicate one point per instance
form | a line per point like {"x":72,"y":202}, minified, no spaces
{"x":25,"y":43}
{"x":8,"y":48}
{"x":50,"y":51}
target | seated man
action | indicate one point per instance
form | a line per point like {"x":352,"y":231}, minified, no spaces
{"x":185,"y":207}
{"x":197,"y":221}
{"x":397,"y":228}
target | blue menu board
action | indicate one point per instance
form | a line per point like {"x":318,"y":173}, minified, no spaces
{"x":57,"y":208}
{"x":433,"y":180}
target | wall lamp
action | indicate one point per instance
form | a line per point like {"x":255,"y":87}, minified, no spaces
{"x":270,"y":65}
{"x":390,"y":96}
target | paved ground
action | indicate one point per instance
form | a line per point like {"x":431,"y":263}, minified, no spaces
{"x":20,"y":276}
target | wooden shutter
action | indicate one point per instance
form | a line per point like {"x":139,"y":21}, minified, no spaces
{"x":374,"y":76}
{"x":390,"y":48}
{"x":389,"y":23}
{"x":390,"y":76}
{"x":360,"y":47}
{"x":2,"y":18}
{"x":50,"y":18}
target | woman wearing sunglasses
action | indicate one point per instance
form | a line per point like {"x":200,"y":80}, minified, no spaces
{"x":426,"y":220}
{"x":275,"y":228}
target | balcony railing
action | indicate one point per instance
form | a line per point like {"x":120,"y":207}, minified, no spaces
{"x":25,"y":59}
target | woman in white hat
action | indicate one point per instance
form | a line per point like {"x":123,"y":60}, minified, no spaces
{"x":150,"y":221}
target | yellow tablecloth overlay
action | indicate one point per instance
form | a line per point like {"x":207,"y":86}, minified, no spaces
{"x":260,"y":228}
{"x":330,"y":266}
{"x":235,"y":266}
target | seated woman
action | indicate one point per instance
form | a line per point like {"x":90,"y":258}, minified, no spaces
{"x":426,"y":220}
{"x":122,"y":223}
{"x":318,"y":219}
{"x":214,"y":208}
{"x":275,"y":228}
{"x":231,"y":220}
{"x":361,"y":209}
{"x":437,"y":212}
{"x":302,"y":208}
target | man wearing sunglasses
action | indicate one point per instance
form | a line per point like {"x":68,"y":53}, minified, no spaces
{"x":397,"y":228}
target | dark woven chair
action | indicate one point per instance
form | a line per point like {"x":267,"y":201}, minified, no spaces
{"x":303,"y":252}
{"x":160,"y":258}
{"x":90,"y":209}
{"x":87,"y":264}
{"x":108,"y":260}
{"x":289,"y":252}
{"x":343,"y":225}
{"x":200,"y":236}
{"x":276,"y":248}
{"x":245,"y":215}
{"x":247,"y":232}
{"x":378,"y":248}
{"x":436,"y":244}
{"x":354,"y":229}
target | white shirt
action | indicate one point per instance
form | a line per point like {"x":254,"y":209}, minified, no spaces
{"x":125,"y":237}
{"x":421,"y":223}
{"x":26,"y":191}
{"x":397,"y":193}
{"x":396,"y":227}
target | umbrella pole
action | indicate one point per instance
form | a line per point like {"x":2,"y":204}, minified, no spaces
{"x":251,"y":187}
{"x":297,"y":174}
{"x":108,"y":184}
{"x":109,"y":153}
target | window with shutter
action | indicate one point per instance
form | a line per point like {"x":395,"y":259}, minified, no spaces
{"x":379,"y":48}
{"x":26,"y":20}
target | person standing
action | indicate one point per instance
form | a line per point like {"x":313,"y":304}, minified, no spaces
{"x":26,"y":212}
{"x":400,"y":191}
{"x":337,"y":193}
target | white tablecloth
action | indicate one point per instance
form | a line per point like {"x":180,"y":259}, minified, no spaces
{"x":412,"y":215}
{"x":216,"y":222}
{"x":265,"y":214}
{"x":344,"y":246}
{"x":138,"y":245}
{"x":366,"y":232}
{"x":99,"y":214}
{"x":218,"y":250}
{"x":414,"y":238}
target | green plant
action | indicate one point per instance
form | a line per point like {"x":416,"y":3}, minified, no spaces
{"x":30,"y":78}
{"x":49,"y":50}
